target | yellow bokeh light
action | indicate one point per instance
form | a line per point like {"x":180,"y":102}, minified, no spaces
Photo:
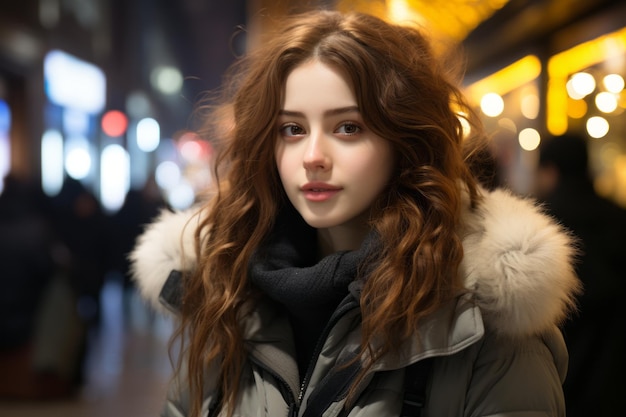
{"x":507,"y":124}
{"x":583,"y":84}
{"x":507,"y":79}
{"x":492,"y":104}
{"x":614,"y":83}
{"x":529,"y":139}
{"x":399,"y":11}
{"x":597,"y":127}
{"x":575,"y":59}
{"x":576,"y":109}
{"x":606,"y":102}
{"x":530,"y":106}
{"x":446,"y":19}
{"x":571,"y":91}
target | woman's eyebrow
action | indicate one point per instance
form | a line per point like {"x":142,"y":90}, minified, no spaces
{"x":331,"y":112}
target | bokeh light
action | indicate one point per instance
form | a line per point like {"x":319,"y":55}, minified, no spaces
{"x":74,"y":83}
{"x":606,"y":102}
{"x":5,"y":144}
{"x":138,"y":105}
{"x":77,"y":157}
{"x":582,"y":84}
{"x":114,"y":123}
{"x":530,"y":106}
{"x":492,"y":104}
{"x":167,"y":175}
{"x":529,"y":139}
{"x":507,"y":124}
{"x":597,"y":127}
{"x":576,"y":109}
{"x":614,"y":83}
{"x":166,"y":79}
{"x":115,"y":177}
{"x":52,"y":161}
{"x":148,"y":134}
{"x":181,"y":196}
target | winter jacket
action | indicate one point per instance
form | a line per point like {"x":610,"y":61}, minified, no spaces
{"x":496,"y":347}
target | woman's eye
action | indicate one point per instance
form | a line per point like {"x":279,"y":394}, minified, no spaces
{"x":291,"y":130}
{"x":349,"y":129}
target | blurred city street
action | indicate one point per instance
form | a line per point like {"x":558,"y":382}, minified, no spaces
{"x":103,"y":125}
{"x":127,"y":367}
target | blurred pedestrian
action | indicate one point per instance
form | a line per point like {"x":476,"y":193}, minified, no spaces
{"x":85,"y":232}
{"x":140,"y":207}
{"x":596,"y":336}
{"x":39,"y":331}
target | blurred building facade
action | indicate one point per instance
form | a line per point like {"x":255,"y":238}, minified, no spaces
{"x":540,"y":69}
{"x":102,"y":90}
{"x":143,"y":65}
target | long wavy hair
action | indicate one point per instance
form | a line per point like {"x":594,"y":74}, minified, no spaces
{"x":405,"y":95}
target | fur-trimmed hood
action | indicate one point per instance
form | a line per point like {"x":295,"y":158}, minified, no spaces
{"x":517,"y":261}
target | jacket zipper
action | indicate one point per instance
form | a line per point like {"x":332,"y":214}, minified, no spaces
{"x":347,"y":305}
{"x":294,"y":402}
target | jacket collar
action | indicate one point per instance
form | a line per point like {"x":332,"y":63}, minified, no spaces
{"x":449,"y":330}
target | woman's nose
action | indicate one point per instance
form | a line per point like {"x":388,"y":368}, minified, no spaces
{"x":316,"y":155}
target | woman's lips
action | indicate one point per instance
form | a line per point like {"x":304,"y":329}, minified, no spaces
{"x":318,"y":192}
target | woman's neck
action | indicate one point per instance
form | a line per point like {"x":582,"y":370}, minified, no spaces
{"x":345,"y":237}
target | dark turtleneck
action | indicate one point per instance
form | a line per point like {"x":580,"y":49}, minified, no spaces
{"x":288,"y":271}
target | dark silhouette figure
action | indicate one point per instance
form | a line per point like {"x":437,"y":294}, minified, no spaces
{"x":39,"y":356}
{"x":140,"y":207}
{"x":85,"y":232}
{"x":596,"y":336}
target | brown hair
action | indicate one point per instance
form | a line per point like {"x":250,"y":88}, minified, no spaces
{"x":405,"y":96}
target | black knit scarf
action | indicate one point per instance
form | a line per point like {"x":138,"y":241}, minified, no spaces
{"x":287,"y":270}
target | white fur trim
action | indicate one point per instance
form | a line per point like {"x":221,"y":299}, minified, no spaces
{"x":519,"y":263}
{"x":167,"y":244}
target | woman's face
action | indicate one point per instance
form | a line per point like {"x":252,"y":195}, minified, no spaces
{"x":331,"y":165}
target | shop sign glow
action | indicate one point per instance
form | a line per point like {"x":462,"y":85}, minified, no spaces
{"x":73,"y":83}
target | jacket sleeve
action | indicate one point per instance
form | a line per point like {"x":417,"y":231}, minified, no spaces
{"x":518,"y":377}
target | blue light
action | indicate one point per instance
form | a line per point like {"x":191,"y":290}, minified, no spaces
{"x":5,"y":117}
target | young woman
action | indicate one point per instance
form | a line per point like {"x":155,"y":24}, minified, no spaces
{"x":348,"y":243}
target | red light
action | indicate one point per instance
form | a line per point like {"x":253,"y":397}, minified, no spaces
{"x":114,"y":123}
{"x":193,"y":148}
